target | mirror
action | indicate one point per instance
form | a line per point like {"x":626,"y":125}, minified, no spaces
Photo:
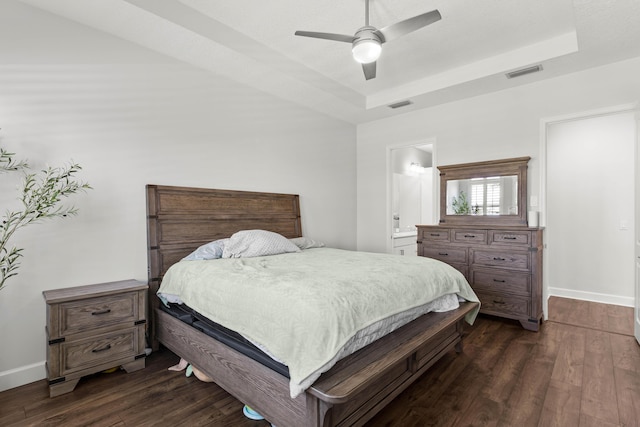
{"x":484,"y":193}
{"x":493,"y":195}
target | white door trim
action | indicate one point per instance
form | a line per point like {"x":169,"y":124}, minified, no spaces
{"x":545,"y":122}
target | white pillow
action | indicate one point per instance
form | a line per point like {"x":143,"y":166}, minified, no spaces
{"x":253,"y":243}
{"x":306,"y":243}
{"x":211,"y":250}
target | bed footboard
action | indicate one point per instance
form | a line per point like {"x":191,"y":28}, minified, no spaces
{"x":349,"y":394}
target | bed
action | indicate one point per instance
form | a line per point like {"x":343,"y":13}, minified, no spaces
{"x":181,"y":219}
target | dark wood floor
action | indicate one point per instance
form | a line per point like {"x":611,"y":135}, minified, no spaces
{"x":582,"y":369}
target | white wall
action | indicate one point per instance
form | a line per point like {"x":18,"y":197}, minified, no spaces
{"x":130,"y":118}
{"x":499,"y":125}
{"x":590,"y":208}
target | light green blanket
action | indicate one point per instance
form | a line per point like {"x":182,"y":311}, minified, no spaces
{"x":303,"y":307}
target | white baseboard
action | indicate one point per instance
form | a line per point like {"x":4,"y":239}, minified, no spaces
{"x":22,"y":375}
{"x":591,"y":296}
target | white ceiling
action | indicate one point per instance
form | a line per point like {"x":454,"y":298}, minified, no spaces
{"x":464,"y":54}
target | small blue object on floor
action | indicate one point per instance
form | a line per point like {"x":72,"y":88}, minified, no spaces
{"x":251,"y":414}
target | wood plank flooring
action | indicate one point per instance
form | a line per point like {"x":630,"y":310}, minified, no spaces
{"x":582,"y":369}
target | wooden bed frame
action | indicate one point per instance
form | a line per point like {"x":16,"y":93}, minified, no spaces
{"x":180,"y":219}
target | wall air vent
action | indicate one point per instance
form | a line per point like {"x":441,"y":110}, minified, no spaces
{"x":523,"y":71}
{"x":400,"y":104}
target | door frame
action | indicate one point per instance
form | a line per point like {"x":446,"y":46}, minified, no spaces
{"x":636,"y":310}
{"x":436,"y":184}
{"x":545,"y":123}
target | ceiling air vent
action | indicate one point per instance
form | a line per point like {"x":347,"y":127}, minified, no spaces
{"x":523,"y":71}
{"x":400,"y":104}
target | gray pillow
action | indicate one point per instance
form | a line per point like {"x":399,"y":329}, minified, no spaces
{"x":306,"y":243}
{"x":211,"y":250}
{"x":254,"y":243}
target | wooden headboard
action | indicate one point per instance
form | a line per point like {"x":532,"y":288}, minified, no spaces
{"x":180,"y":219}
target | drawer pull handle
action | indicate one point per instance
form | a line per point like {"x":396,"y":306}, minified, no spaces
{"x":443,"y":253}
{"x":509,"y":238}
{"x":498,"y":302}
{"x":469,"y":236}
{"x":97,"y":313}
{"x":98,"y":350}
{"x":498,"y":259}
{"x":434,"y":234}
{"x":499,"y":281}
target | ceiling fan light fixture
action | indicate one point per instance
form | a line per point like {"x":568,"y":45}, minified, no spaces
{"x":366,"y":51}
{"x":366,"y":43}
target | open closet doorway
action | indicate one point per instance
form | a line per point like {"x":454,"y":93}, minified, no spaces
{"x":411,"y":194}
{"x":590,"y":200}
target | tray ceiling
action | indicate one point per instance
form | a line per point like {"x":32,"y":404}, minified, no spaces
{"x":465,"y":54}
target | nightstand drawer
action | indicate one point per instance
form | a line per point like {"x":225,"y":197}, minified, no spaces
{"x":85,"y":315}
{"x":82,"y":354}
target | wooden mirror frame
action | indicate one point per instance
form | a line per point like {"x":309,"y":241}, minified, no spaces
{"x":505,"y":167}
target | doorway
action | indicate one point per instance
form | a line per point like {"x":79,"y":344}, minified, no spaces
{"x":411,"y":194}
{"x":589,"y":215}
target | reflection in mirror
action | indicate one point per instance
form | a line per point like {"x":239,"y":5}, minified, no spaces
{"x":495,"y":195}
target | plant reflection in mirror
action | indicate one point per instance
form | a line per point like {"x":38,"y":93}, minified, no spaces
{"x":460,"y":204}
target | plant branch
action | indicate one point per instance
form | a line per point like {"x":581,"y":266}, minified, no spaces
{"x":41,"y":199}
{"x":7,"y":163}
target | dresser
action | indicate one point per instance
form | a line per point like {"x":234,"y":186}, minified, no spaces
{"x":93,"y":328}
{"x":502,"y":264}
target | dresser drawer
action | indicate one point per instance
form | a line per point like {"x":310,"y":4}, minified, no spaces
{"x":516,"y":238}
{"x":447,"y":254}
{"x":503,"y":305}
{"x":502,"y":259}
{"x":88,"y":314}
{"x":89,"y":352}
{"x":435,"y":234}
{"x":470,"y":236}
{"x":501,"y":281}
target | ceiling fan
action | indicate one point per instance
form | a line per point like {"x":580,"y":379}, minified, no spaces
{"x":366,"y":43}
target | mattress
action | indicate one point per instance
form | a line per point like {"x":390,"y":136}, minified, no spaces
{"x":224,"y":335}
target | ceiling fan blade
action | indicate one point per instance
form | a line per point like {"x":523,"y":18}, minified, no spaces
{"x":407,"y":26}
{"x":369,"y":70}
{"x":326,"y":36}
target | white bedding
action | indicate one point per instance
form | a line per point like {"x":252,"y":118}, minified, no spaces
{"x":311,"y":308}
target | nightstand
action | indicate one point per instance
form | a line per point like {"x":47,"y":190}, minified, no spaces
{"x":93,"y":328}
